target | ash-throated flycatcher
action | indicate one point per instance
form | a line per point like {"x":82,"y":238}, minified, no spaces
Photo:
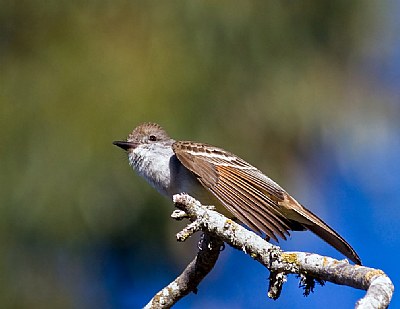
{"x":217,"y":177}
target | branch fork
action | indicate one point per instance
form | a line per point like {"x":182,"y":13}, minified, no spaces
{"x":311,"y":268}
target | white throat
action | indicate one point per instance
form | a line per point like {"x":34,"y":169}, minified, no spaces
{"x":152,"y":161}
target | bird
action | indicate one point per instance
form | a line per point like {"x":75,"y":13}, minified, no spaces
{"x":217,"y":177}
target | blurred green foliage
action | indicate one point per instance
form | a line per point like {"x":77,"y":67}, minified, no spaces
{"x":262,"y":79}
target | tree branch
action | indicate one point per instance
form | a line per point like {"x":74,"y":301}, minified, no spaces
{"x":209,"y":249}
{"x":310,"y":267}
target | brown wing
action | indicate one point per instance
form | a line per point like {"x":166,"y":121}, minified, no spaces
{"x":236,"y":185}
{"x":252,"y":197}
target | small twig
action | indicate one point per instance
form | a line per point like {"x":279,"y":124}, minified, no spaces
{"x":276,"y":281}
{"x":188,"y":231}
{"x":179,"y":215}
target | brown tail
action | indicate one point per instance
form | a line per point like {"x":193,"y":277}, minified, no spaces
{"x":335,"y":240}
{"x":294,"y":211}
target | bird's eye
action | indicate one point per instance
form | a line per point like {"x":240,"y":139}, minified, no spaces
{"x":152,"y":138}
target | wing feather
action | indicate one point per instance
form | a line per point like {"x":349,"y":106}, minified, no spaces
{"x":255,"y":201}
{"x":243,"y":196}
{"x":245,"y":205}
{"x":251,"y":220}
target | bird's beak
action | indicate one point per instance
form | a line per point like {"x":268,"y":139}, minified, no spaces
{"x":125,"y":145}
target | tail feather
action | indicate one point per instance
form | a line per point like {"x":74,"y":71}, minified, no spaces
{"x":296,"y":212}
{"x":335,"y":240}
